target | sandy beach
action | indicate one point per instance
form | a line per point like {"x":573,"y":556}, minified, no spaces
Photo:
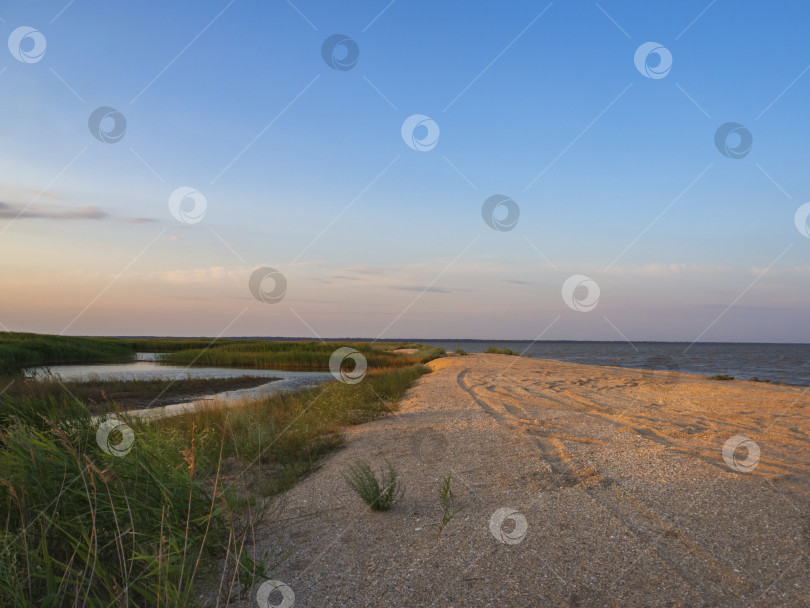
{"x":578,"y":486}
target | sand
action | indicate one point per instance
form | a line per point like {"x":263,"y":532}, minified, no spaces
{"x":579,"y":486}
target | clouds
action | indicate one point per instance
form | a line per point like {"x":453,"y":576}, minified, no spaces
{"x":51,"y":212}
{"x":62,"y":212}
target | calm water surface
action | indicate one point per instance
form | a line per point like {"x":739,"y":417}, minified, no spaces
{"x":788,"y":363}
{"x":146,"y":367}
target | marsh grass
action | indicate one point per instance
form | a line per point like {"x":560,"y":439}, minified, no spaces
{"x":175,"y":517}
{"x":104,"y":530}
{"x":263,"y":354}
{"x":168,"y":345}
{"x":494,"y":350}
{"x":104,"y":394}
{"x":21,"y":350}
{"x":378,"y":495}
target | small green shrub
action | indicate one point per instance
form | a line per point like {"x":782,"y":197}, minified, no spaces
{"x":721,"y":377}
{"x":461,"y":352}
{"x":494,"y":350}
{"x":378,"y":495}
{"x":448,"y":501}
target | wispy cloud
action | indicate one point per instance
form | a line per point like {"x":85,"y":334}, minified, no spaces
{"x":61,"y":212}
{"x":421,"y":289}
{"x":50,"y":212}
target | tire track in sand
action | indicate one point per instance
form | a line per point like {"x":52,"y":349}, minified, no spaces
{"x":693,"y":564}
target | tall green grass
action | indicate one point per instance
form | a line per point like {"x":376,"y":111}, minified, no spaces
{"x":102,"y":394}
{"x":20,"y":350}
{"x":88,"y":528}
{"x":262,"y":354}
{"x":171,"y":520}
{"x":168,"y":345}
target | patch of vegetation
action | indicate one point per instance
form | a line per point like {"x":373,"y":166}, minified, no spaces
{"x":265,"y":354}
{"x":170,"y":345}
{"x":721,"y":377}
{"x":378,"y":495}
{"x":104,"y":530}
{"x":21,"y":350}
{"x":461,"y":352}
{"x":105,"y":395}
{"x":448,"y":501}
{"x":494,"y":350}
{"x":173,"y":518}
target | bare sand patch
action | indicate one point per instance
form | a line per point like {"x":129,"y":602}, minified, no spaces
{"x":618,"y":475}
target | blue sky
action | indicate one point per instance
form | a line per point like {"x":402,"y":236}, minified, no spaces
{"x":303,"y":168}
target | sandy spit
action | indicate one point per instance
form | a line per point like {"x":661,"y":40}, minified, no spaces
{"x":578,"y":486}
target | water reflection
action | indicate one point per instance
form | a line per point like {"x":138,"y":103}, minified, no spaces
{"x":147,"y":367}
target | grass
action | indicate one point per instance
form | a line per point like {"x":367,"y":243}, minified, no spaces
{"x":494,"y":350}
{"x":378,"y":495}
{"x":264,"y":354}
{"x":21,"y":350}
{"x":721,"y":377}
{"x":112,"y":531}
{"x":170,"y":345}
{"x":174,"y":518}
{"x":448,"y":501}
{"x":103,"y":395}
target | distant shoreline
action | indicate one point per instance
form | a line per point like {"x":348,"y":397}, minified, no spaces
{"x":433,"y":340}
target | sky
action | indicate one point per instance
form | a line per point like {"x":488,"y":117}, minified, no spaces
{"x":327,"y":169}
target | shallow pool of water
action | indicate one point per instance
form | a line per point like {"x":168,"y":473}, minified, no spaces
{"x":146,"y":367}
